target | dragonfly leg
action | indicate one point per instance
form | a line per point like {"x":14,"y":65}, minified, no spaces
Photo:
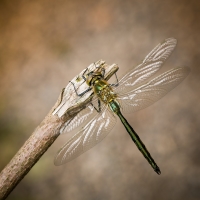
{"x":82,"y":93}
{"x":83,"y":75}
{"x":117,"y":83}
{"x":99,"y":67}
{"x":99,"y":106}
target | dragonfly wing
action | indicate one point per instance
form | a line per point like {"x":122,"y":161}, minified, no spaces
{"x":152,"y":91}
{"x":87,"y":137}
{"x":150,"y":65}
{"x":83,"y":117}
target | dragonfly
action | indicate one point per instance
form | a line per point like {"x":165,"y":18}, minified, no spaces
{"x":136,"y":90}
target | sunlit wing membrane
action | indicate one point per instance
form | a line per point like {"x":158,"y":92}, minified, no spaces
{"x":135,"y":91}
{"x":150,"y":65}
{"x":82,"y":118}
{"x":87,"y":137}
{"x":152,"y":91}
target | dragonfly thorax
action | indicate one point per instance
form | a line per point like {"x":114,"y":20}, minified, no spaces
{"x":104,"y":91}
{"x":100,"y":86}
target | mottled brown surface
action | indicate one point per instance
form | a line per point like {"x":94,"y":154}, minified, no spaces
{"x":44,"y":44}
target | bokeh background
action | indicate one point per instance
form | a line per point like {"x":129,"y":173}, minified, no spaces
{"x":45,"y":43}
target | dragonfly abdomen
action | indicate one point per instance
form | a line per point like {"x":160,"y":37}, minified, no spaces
{"x":114,"y":106}
{"x":140,"y":145}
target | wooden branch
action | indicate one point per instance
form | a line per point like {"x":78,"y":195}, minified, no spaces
{"x":67,"y":106}
{"x":41,"y":139}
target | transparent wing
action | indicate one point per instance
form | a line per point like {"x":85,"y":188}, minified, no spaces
{"x":83,"y":117}
{"x":152,"y":91}
{"x":150,"y":65}
{"x":87,"y":137}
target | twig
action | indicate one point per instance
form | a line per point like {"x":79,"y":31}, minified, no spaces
{"x":46,"y":133}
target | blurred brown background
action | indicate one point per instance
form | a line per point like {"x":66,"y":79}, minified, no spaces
{"x":44,"y":44}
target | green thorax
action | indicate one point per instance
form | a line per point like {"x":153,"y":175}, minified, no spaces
{"x":104,"y":91}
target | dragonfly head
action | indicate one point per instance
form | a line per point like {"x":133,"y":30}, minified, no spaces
{"x":92,"y":77}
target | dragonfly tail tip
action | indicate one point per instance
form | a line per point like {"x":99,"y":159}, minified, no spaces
{"x":157,"y":170}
